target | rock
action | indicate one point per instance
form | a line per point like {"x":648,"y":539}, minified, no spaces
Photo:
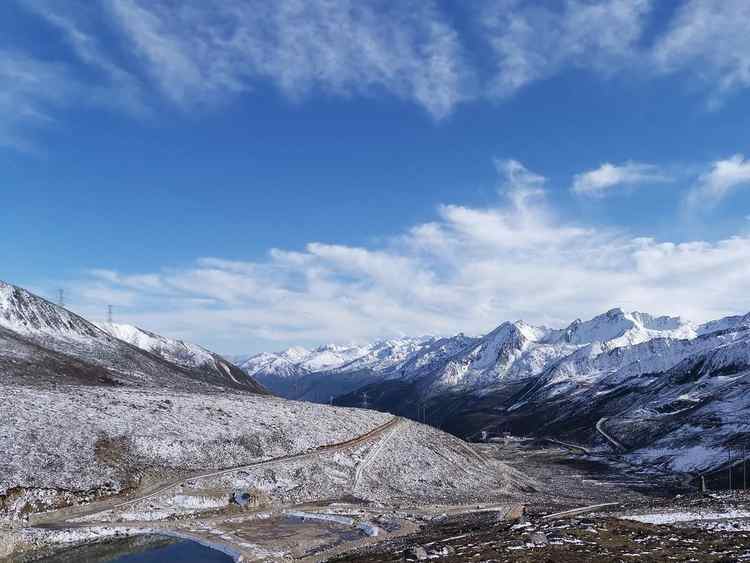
{"x":516,"y":513}
{"x":416,"y":552}
{"x":538,"y":538}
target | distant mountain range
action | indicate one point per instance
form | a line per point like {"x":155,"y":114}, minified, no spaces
{"x":665,"y":390}
{"x":40,"y":340}
{"x":330,"y":370}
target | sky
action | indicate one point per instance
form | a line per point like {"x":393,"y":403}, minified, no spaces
{"x":253,"y":175}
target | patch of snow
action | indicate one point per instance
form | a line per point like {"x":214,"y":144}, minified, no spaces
{"x":674,"y":517}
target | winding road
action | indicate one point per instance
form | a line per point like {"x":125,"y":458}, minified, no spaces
{"x":60,"y":516}
{"x":599,"y":428}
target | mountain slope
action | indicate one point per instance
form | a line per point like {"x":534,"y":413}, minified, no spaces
{"x":188,"y":356}
{"x":33,"y":328}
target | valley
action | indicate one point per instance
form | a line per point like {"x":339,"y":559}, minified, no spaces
{"x":520,"y":445}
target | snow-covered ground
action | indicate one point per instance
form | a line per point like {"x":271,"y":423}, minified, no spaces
{"x":687,"y":516}
{"x":93,"y":439}
{"x":70,"y":444}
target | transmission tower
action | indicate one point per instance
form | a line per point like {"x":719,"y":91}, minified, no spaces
{"x":109,"y":314}
{"x":61,"y":297}
{"x":364,"y":400}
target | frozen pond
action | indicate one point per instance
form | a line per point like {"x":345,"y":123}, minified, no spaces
{"x":183,"y":551}
{"x":142,"y":549}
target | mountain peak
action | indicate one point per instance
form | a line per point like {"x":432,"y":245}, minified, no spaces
{"x":617,"y":327}
{"x":23,"y":312}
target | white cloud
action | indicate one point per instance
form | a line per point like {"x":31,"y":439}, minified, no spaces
{"x":119,"y":88}
{"x":724,"y":177}
{"x":710,"y":39}
{"x":607,"y":177}
{"x":532,"y":40}
{"x":202,"y":51}
{"x":31,"y":92}
{"x":468,"y":270}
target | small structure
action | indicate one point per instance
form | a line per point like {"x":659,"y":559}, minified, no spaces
{"x":249,"y":498}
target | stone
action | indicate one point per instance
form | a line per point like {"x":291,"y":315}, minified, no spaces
{"x":416,"y":552}
{"x":538,"y":538}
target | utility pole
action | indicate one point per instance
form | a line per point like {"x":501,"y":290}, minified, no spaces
{"x":61,"y":297}
{"x":109,"y":314}
{"x":729,"y":452}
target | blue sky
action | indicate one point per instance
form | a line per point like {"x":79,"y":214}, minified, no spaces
{"x":251,"y":175}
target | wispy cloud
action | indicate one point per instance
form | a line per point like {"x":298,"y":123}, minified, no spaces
{"x":533,"y":41}
{"x":201,"y":51}
{"x":469,"y":269}
{"x":609,"y":177}
{"x":709,"y":39}
{"x":31,"y":92}
{"x":137,"y":54}
{"x":118,"y":88}
{"x":722,"y":179}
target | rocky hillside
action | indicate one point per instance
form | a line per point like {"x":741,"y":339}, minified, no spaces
{"x":41,"y":340}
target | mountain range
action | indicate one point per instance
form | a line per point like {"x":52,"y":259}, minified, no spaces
{"x":661,"y":390}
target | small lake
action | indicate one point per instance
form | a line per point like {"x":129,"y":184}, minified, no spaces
{"x":140,"y":549}
{"x":184,"y":551}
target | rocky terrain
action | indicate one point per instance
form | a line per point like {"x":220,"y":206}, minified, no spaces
{"x":631,"y":517}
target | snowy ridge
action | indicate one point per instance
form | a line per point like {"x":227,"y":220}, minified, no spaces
{"x":176,"y":351}
{"x":298,"y":361}
{"x":512,"y":352}
{"x":110,"y":354}
{"x":25,"y":313}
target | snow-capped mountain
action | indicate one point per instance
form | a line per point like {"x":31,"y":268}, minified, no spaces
{"x":513,"y":351}
{"x":37,"y":336}
{"x":517,"y":350}
{"x":672,"y":393}
{"x":298,"y":361}
{"x":331,"y":369}
{"x":184,"y":354}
